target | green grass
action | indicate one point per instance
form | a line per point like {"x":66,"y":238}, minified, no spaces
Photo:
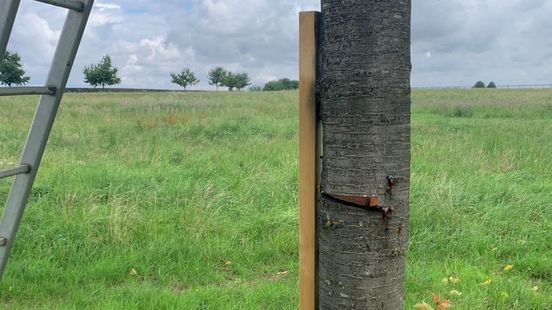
{"x":189,"y":201}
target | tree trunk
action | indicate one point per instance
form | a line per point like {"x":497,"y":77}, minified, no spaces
{"x":364,"y":90}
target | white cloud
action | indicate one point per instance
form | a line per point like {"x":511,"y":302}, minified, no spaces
{"x":454,"y":42}
{"x":149,"y":62}
{"x":35,"y":32}
{"x":246,"y":35}
{"x":487,"y":40}
{"x":39,"y":42}
{"x":160,"y":52}
{"x":107,"y":6}
{"x":102,"y":19}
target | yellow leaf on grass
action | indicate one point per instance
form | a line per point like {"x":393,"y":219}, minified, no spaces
{"x":423,"y":306}
{"x":133,"y":271}
{"x":487,"y":282}
{"x":455,"y":293}
{"x":453,"y":280}
{"x":450,"y":279}
{"x":508,"y":268}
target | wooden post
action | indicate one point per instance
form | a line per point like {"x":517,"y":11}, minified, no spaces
{"x":308,"y":158}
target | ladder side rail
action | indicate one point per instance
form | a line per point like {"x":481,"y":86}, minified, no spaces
{"x":8,"y":11}
{"x":45,"y":114}
{"x":67,"y":4}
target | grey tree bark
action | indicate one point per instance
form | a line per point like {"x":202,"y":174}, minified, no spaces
{"x":364,"y":92}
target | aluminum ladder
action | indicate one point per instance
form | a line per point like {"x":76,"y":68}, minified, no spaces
{"x":25,"y":173}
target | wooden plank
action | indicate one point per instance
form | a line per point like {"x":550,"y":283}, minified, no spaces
{"x":307,"y":159}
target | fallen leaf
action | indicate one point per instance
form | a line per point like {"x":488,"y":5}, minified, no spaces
{"x":504,"y":294}
{"x":133,"y":271}
{"x":227,"y":263}
{"x":535,"y":288}
{"x":441,"y":304}
{"x":487,"y":282}
{"x":423,"y":306}
{"x":179,"y":288}
{"x":276,"y":276}
{"x":508,"y":268}
{"x":455,"y":293}
{"x":453,"y":279}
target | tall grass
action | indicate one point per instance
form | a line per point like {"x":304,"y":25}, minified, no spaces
{"x":189,"y":201}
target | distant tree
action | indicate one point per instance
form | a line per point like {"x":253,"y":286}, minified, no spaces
{"x":255,"y":88}
{"x":281,"y":84}
{"x":236,"y":80}
{"x":272,"y":86}
{"x":185,"y":78}
{"x":11,"y":72}
{"x":479,"y":84}
{"x":101,"y":74}
{"x":491,"y":85}
{"x":292,"y":84}
{"x":243,"y":80}
{"x":229,"y":80}
{"x":217,"y":77}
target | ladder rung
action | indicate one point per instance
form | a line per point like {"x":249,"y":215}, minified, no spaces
{"x":68,"y":4}
{"x":15,"y":171}
{"x":17,"y":91}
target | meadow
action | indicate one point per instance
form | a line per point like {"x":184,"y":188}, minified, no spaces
{"x":189,"y":201}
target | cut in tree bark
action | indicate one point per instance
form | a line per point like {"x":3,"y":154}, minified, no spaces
{"x":364,"y":89}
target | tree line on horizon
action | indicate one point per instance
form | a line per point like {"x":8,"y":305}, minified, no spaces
{"x":481,"y":84}
{"x":105,"y":74}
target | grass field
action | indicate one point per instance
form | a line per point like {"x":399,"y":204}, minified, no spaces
{"x":189,"y":201}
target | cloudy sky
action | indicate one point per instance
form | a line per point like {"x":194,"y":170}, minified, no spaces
{"x":455,"y":42}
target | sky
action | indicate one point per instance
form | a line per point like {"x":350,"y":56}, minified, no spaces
{"x":454,"y":42}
